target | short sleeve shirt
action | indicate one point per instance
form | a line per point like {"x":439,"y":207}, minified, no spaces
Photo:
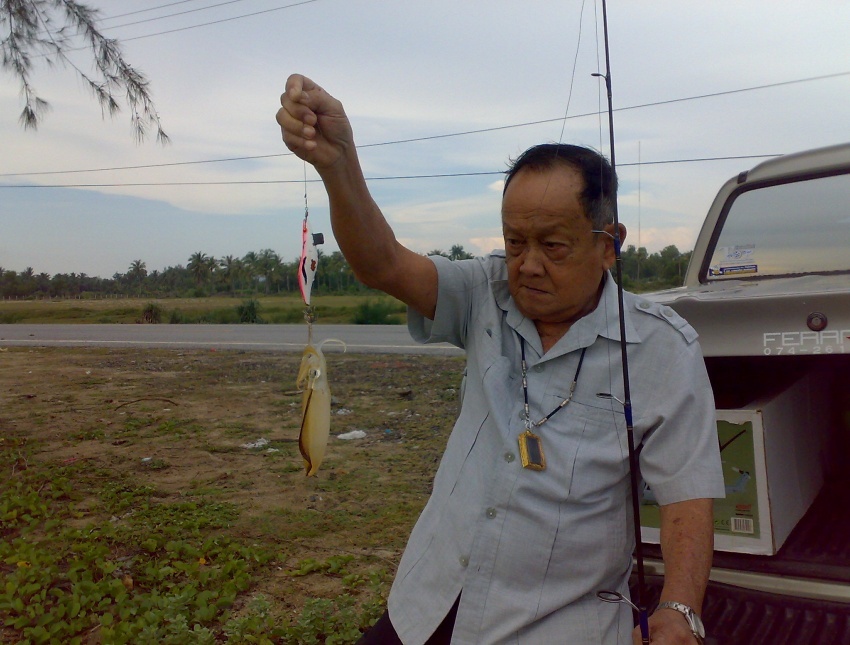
{"x":530,"y":549}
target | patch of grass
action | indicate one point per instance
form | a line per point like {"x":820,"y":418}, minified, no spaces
{"x":12,"y":317}
{"x":162,"y":574}
{"x":178,"y":428}
{"x":89,"y":434}
{"x":208,"y":543}
{"x":277,"y":309}
{"x":379,"y":312}
{"x":154,"y":464}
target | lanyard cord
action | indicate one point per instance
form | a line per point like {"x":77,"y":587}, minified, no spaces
{"x":528,"y":422}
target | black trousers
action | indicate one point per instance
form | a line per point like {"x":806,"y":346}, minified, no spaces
{"x":383,"y":632}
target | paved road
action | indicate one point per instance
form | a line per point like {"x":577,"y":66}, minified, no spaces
{"x":378,"y":339}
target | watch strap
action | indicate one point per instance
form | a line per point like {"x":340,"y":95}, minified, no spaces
{"x":690,"y":615}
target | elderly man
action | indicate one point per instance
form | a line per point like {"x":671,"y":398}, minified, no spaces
{"x":529,"y":515}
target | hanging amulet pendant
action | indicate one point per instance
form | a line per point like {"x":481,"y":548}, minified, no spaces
{"x":531,"y":451}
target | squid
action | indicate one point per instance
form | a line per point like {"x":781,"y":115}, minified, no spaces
{"x":315,"y":408}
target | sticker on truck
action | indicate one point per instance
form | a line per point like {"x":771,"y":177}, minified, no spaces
{"x":735,"y":260}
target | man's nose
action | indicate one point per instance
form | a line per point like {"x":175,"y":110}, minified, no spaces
{"x":532,"y":262}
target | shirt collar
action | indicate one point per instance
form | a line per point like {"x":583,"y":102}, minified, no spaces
{"x":603,"y":321}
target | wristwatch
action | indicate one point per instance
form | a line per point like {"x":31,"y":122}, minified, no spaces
{"x":694,"y":621}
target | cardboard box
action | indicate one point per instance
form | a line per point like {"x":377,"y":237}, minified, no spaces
{"x":773,"y":468}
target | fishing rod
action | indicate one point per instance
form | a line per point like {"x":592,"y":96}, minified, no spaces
{"x":639,"y":601}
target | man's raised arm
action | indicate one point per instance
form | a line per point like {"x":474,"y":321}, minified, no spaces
{"x":316,"y":129}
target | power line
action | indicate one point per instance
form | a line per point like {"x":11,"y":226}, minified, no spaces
{"x":148,"y":10}
{"x":143,"y":166}
{"x":245,"y":182}
{"x":203,"y":24}
{"x":216,"y":22}
{"x":451,"y":134}
{"x":252,"y":182}
{"x":172,"y":15}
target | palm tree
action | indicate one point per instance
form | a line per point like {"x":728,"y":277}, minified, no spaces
{"x":231,"y":271}
{"x":200,"y":268}
{"x":250,"y":268}
{"x":457,"y":253}
{"x":137,"y":272}
{"x":269,"y":266}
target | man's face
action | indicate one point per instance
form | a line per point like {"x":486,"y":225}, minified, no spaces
{"x":555,"y":263}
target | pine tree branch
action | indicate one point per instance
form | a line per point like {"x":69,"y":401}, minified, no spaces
{"x":32,"y":33}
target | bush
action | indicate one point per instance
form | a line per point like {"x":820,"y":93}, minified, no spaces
{"x":378,"y":312}
{"x":152,"y":313}
{"x":10,"y":317}
{"x":249,"y":311}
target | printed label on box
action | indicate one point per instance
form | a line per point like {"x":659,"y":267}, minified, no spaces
{"x":738,"y":514}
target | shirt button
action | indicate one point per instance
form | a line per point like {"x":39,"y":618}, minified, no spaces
{"x":539,"y":368}
{"x":464,"y":561}
{"x":644,"y":305}
{"x":509,"y":457}
{"x":491,"y":513}
{"x":667,"y":312}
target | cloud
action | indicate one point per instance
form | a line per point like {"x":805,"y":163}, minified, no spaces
{"x":413,"y":70}
{"x":483,"y":245}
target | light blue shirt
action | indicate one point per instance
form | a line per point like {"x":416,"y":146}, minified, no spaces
{"x":530,"y":549}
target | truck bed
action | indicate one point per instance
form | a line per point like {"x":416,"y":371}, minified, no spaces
{"x":736,"y":616}
{"x":818,"y":549}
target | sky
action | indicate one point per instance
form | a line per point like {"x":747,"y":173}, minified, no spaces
{"x":701,"y":91}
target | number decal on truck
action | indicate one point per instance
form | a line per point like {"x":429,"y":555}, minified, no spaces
{"x":779,"y":343}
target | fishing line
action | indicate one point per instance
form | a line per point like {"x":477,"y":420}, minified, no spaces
{"x":307,"y":264}
{"x":573,"y":75}
{"x":476,"y":283}
{"x":569,"y":96}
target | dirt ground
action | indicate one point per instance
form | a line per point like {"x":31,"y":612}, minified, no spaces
{"x":180,"y":422}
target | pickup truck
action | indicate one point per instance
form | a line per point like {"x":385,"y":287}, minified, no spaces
{"x":768,"y":291}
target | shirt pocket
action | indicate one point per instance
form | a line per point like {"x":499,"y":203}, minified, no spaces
{"x":602,"y":458}
{"x":600,"y":492}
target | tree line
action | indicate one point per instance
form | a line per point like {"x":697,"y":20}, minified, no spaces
{"x":265,"y":272}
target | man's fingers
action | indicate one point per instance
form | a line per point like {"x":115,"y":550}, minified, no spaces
{"x":298,"y":110}
{"x":299,"y":122}
{"x":298,"y":144}
{"x":295,"y":118}
{"x":294,"y":87}
{"x":300,"y":89}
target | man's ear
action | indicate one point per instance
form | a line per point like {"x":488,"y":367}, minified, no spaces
{"x":610,"y":252}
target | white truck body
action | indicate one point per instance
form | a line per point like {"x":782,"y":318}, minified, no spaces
{"x":768,"y":291}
